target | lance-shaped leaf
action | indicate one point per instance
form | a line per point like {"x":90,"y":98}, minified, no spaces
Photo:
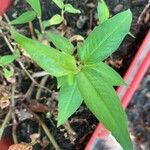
{"x":61,"y":42}
{"x":55,"y":20}
{"x":7,"y":59}
{"x":51,"y":60}
{"x":35,"y":4}
{"x":105,"y":38}
{"x":103,"y":11}
{"x":24,"y":18}
{"x":68,"y":102}
{"x":107,"y":73}
{"x":70,"y":9}
{"x":102,"y":100}
{"x":59,"y":3}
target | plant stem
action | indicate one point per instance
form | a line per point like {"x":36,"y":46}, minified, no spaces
{"x":8,"y":116}
{"x":42,"y":83}
{"x":13,"y":95}
{"x":69,"y":128}
{"x":13,"y":115}
{"x":31,"y":30}
{"x":14,"y":129}
{"x":41,"y":25}
{"x":6,"y":120}
{"x":46,"y":130}
{"x":20,"y":63}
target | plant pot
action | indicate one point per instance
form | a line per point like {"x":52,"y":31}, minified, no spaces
{"x":133,"y":77}
{"x":5,"y":143}
{"x":4,"y":4}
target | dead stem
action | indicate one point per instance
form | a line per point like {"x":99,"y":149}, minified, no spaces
{"x":69,"y":128}
{"x":146,"y":9}
{"x":41,"y":25}
{"x":4,"y":124}
{"x":14,"y":129}
{"x":13,"y":115}
{"x":8,"y":116}
{"x":42,"y":83}
{"x":31,"y":30}
{"x":45,"y":128}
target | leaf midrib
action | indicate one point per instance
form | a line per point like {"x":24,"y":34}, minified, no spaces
{"x":101,"y":100}
{"x":106,"y":38}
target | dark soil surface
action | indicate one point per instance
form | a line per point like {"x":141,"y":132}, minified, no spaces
{"x":82,"y":122}
{"x":139,"y":115}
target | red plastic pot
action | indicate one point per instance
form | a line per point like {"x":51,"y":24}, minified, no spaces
{"x":133,"y":77}
{"x":5,"y":143}
{"x":4,"y":5}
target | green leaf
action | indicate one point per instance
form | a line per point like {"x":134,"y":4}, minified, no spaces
{"x":61,"y":42}
{"x":7,"y":59}
{"x":103,"y":11}
{"x":55,"y":20}
{"x":24,"y":18}
{"x":106,"y":72}
{"x":69,"y":8}
{"x":68,"y":102}
{"x":60,"y":81}
{"x":7,"y":73}
{"x":59,"y":3}
{"x":51,"y":60}
{"x":104,"y":103}
{"x":105,"y":38}
{"x":35,"y":4}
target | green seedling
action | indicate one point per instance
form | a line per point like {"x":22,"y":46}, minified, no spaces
{"x":85,"y":77}
{"x":7,"y":60}
{"x":59,"y":18}
{"x":103,"y":11}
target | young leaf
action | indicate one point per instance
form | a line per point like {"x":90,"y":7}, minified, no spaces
{"x":60,"y":81}
{"x":55,"y":20}
{"x":61,"y":42}
{"x":107,"y":73}
{"x":105,"y":38}
{"x":7,"y":73}
{"x":103,"y":11}
{"x":59,"y":3}
{"x":69,"y":8}
{"x":50,"y":59}
{"x":7,"y":59}
{"x":102,"y":100}
{"x":68,"y":102}
{"x":35,"y":4}
{"x":24,"y":18}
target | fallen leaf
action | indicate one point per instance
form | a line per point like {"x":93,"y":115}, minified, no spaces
{"x":38,"y":107}
{"x":4,"y":99}
{"x":34,"y":137}
{"x":21,"y":146}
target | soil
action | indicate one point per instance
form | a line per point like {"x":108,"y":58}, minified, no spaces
{"x":139,"y":115}
{"x":82,"y":122}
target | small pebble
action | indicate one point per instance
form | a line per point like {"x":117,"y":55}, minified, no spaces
{"x":118,"y":8}
{"x":81,"y":21}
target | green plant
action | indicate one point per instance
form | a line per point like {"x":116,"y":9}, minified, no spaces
{"x":84,"y":77}
{"x":103,"y":11}
{"x":5,"y":61}
{"x":54,"y":20}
